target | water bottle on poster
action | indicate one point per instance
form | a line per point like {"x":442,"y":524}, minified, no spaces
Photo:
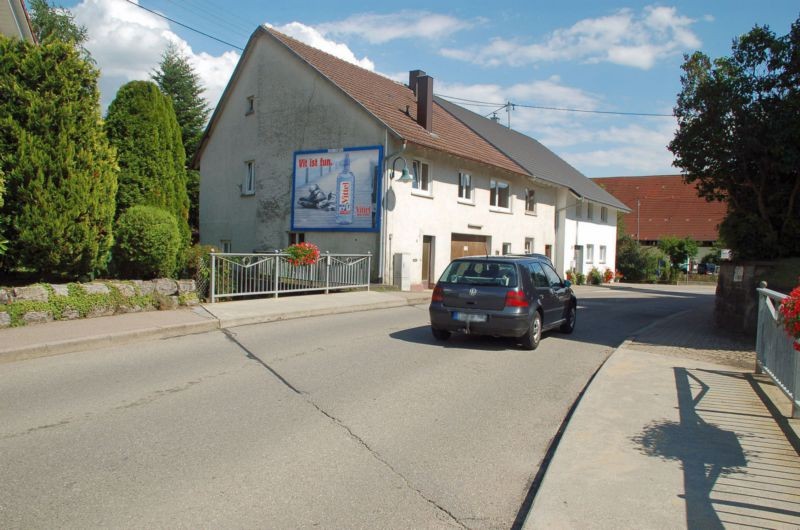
{"x":345,"y":194}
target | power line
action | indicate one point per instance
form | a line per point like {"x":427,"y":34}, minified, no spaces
{"x":562,"y":109}
{"x":471,"y":102}
{"x":131,"y":2}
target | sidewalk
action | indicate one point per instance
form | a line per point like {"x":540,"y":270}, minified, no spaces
{"x":68,"y":336}
{"x":672,"y":433}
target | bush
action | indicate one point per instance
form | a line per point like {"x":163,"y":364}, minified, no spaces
{"x":595,"y":278}
{"x":148,"y":243}
{"x":637,"y":263}
{"x":580,"y":278}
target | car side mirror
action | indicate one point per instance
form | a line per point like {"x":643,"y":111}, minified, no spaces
{"x":567,"y":283}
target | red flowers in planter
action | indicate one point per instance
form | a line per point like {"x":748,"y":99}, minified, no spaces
{"x":303,"y":254}
{"x":790,"y":311}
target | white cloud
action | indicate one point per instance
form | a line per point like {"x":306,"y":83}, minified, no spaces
{"x":313,"y":37}
{"x":626,"y":38}
{"x":127,"y":43}
{"x":596,"y":144}
{"x":406,"y":24}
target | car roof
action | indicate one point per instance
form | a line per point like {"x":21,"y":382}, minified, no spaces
{"x":506,"y":257}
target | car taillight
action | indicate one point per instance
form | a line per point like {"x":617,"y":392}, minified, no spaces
{"x":516,"y":299}
{"x":438,"y":294}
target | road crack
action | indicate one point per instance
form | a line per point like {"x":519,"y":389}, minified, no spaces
{"x":377,"y":456}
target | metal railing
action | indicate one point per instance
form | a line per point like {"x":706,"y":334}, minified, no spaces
{"x":775,"y":353}
{"x":235,"y":275}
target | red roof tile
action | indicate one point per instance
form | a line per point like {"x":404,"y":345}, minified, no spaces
{"x":388,"y":101}
{"x":666,"y":207}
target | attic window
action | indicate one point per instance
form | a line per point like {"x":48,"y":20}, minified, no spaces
{"x":251,"y":105}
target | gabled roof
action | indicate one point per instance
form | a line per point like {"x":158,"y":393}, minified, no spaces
{"x":538,"y":160}
{"x":666,"y":206}
{"x":456,"y":131}
{"x":388,"y":100}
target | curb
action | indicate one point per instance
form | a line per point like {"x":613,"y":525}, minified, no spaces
{"x":177,"y":330}
{"x":109,"y":339}
{"x":265,"y":319}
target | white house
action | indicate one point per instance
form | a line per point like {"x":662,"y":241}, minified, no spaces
{"x":306,"y":147}
{"x":14,"y":21}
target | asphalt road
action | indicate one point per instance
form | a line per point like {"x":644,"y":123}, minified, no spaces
{"x":348,"y":421}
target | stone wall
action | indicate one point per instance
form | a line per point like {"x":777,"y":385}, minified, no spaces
{"x":736,"y":303}
{"x":46,"y":302}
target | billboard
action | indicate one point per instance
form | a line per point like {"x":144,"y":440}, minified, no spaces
{"x":337,"y":189}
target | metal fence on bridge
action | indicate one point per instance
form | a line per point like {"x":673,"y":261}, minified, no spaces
{"x":236,"y":275}
{"x":775,"y":353}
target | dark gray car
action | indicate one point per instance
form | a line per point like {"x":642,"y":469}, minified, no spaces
{"x":502,"y":296}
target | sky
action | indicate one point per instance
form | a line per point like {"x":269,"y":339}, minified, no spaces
{"x":606,"y":56}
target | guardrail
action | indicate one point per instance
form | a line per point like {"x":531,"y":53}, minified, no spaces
{"x":775,"y":353}
{"x":235,"y":275}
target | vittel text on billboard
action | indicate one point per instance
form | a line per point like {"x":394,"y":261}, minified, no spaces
{"x":337,"y":189}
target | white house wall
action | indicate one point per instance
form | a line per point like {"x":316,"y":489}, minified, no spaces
{"x":582,"y":232}
{"x":441,"y":214}
{"x":295,"y":109}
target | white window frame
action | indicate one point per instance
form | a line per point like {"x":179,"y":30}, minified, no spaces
{"x":416,"y":185}
{"x":495,"y":184}
{"x":530,"y":245}
{"x":530,"y":193}
{"x":589,"y":210}
{"x":249,"y":181}
{"x":589,"y":253}
{"x":469,"y":196}
{"x":506,"y":248}
{"x":226,"y":245}
{"x":603,"y":251}
{"x":604,"y":214}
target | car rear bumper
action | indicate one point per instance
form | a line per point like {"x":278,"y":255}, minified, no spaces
{"x":498,"y":323}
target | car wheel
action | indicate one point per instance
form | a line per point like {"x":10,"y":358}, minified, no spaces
{"x":440,"y":334}
{"x":530,"y":341}
{"x":572,"y":316}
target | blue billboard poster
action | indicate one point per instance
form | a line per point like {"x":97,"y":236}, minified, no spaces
{"x":337,"y":189}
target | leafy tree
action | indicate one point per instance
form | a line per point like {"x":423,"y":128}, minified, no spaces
{"x":141,"y":124}
{"x":678,"y":250}
{"x":635,"y":262}
{"x":3,"y":242}
{"x":738,"y":139}
{"x":50,"y":22}
{"x":60,"y":169}
{"x":176,"y":78}
{"x":620,"y":225}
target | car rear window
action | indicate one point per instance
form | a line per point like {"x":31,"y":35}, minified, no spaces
{"x":480,"y":273}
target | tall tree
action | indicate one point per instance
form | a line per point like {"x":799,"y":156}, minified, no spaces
{"x":141,"y":124}
{"x":176,"y":78}
{"x":50,"y":22}
{"x":60,"y":169}
{"x":739,"y":139}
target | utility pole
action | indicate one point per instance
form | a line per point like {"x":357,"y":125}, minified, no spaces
{"x":637,"y":219}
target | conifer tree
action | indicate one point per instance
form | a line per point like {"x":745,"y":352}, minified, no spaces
{"x":141,"y":124}
{"x":60,"y":169}
{"x":176,"y":78}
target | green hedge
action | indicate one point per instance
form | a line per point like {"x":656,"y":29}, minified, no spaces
{"x":148,"y":243}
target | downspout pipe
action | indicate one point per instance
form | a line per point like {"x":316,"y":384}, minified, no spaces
{"x":382,"y":261}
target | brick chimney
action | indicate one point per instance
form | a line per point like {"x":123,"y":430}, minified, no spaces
{"x":425,"y":101}
{"x":412,"y":79}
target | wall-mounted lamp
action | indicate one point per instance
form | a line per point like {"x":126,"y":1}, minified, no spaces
{"x":405,"y":176}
